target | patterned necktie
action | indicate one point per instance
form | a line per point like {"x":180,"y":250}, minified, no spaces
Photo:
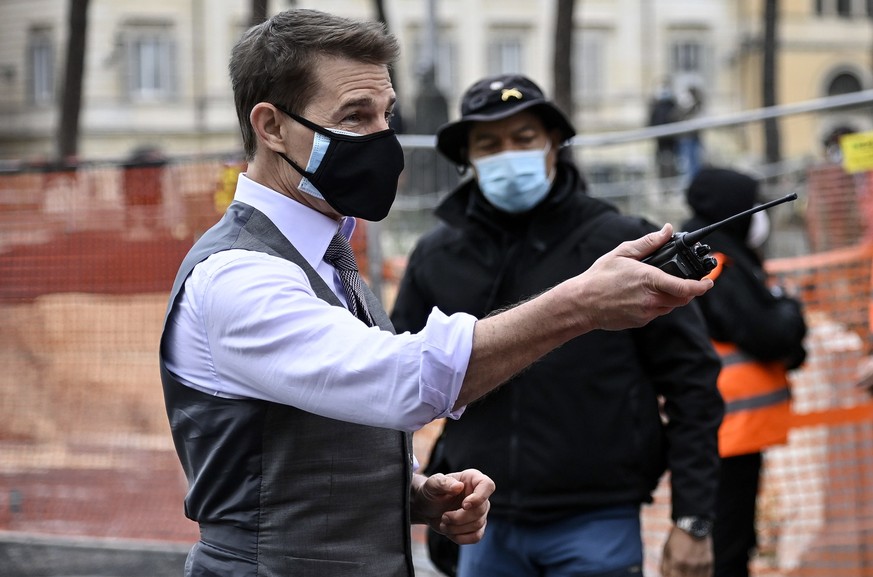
{"x":339,"y":254}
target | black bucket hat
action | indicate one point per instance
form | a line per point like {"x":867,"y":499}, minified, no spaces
{"x":495,"y":98}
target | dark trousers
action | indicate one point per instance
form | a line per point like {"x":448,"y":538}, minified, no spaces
{"x":734,"y":535}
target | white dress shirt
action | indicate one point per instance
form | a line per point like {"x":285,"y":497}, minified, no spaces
{"x":248,"y":325}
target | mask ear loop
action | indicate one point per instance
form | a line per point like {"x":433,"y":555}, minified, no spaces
{"x":554,"y":171}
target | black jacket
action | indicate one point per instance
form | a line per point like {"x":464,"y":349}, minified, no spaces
{"x":581,"y":428}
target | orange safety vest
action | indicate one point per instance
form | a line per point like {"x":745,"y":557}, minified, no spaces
{"x":757,"y":398}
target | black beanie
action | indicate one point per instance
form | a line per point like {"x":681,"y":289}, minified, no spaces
{"x":717,"y":193}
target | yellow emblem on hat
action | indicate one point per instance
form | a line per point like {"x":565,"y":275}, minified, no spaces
{"x":508,"y":93}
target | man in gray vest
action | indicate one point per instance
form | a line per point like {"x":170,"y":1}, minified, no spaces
{"x":289,"y":396}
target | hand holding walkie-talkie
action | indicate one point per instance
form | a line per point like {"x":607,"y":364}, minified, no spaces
{"x":684,"y":255}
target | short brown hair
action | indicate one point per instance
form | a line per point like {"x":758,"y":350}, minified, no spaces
{"x":276,"y":61}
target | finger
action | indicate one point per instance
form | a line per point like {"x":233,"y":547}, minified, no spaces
{"x":482,"y":491}
{"x":465,"y":520}
{"x":682,"y":289}
{"x":458,"y":522}
{"x":645,"y":245}
{"x":462,"y":533}
{"x":451,"y":486}
{"x":439,"y":486}
{"x":468,"y":538}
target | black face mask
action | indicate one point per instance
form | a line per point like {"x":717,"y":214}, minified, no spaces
{"x":358,"y":175}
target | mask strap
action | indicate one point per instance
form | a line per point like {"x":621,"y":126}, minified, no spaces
{"x":295,"y":166}
{"x":334,"y":135}
{"x":307,"y":123}
{"x":551,"y":175}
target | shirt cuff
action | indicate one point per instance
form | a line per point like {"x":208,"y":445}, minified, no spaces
{"x":448,"y":344}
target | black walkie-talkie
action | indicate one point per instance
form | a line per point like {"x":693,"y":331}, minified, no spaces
{"x":684,"y":256}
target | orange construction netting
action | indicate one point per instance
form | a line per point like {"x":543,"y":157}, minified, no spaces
{"x":815,"y":515}
{"x":87,"y":256}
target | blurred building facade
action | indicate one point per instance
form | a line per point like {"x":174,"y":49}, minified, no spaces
{"x":155,"y":76}
{"x":156,"y":72}
{"x":825,"y":48}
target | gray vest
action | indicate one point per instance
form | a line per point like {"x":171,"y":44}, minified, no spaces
{"x":278,"y":491}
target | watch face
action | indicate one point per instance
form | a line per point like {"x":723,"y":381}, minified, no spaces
{"x":695,"y":526}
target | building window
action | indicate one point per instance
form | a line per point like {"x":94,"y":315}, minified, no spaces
{"x":150,"y":62}
{"x":689,"y":59}
{"x":589,"y":64}
{"x":844,"y":8}
{"x":41,"y":66}
{"x":844,"y":84}
{"x":506,"y":54}
{"x":686,"y":57}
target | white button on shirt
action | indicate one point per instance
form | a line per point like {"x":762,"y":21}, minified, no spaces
{"x":248,"y":325}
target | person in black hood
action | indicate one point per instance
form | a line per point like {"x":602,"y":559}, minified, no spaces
{"x":758,"y":330}
{"x":577,"y":442}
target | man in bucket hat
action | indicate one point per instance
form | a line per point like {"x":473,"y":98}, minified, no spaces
{"x":575,"y":443}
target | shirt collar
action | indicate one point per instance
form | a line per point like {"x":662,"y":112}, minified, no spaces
{"x":307,"y":229}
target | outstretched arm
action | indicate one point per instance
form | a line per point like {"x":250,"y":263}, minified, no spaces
{"x":617,"y":292}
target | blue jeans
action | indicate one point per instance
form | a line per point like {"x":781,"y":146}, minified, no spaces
{"x":600,"y":543}
{"x":690,"y":156}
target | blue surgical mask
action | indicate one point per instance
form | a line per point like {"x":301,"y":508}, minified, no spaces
{"x":514,"y":181}
{"x":320,"y":144}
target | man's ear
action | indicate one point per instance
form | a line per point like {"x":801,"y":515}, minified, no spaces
{"x":266,"y":121}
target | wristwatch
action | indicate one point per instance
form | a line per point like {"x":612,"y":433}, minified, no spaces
{"x":697,"y":527}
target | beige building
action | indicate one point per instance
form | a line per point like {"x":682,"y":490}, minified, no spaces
{"x":155,"y":76}
{"x":825,"y":49}
{"x":156,"y":72}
